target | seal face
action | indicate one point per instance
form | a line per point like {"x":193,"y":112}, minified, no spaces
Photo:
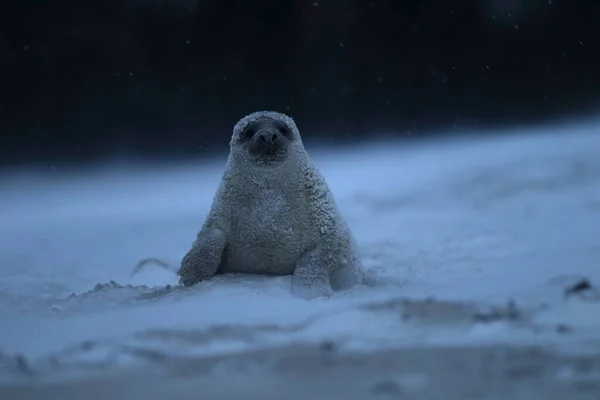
{"x":266,"y":140}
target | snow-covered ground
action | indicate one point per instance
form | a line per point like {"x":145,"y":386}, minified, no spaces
{"x":473,"y":243}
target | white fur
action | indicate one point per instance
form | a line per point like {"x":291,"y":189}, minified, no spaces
{"x":277,"y":220}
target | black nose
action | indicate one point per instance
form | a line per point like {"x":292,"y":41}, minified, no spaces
{"x":268,"y":137}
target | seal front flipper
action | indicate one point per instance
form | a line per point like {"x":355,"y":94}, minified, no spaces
{"x":202,"y":260}
{"x":311,"y":276}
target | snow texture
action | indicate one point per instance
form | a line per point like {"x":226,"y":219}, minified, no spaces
{"x":486,"y":253}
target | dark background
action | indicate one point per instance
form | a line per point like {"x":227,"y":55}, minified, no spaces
{"x":85,"y":80}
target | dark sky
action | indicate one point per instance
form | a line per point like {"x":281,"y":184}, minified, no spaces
{"x":85,"y":80}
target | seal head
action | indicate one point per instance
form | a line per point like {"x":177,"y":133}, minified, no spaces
{"x":263,"y":139}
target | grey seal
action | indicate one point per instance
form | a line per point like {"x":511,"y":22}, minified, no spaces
{"x":273,"y":213}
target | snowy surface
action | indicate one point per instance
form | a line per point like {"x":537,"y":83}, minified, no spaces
{"x":473,"y":243}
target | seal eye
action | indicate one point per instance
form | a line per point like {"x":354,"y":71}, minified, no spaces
{"x":247,"y":133}
{"x":285,"y":131}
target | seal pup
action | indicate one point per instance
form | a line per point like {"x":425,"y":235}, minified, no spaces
{"x":273,"y":213}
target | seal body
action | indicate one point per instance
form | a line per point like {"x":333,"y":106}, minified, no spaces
{"x":273,"y":213}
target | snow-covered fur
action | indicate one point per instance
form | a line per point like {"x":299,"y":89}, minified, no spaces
{"x":274,"y":215}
